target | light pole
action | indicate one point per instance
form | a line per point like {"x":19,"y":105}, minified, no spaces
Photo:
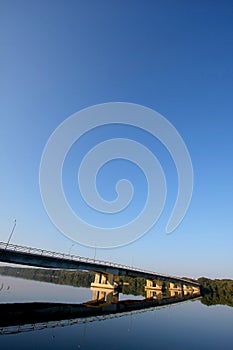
{"x":12,"y":231}
{"x":71,"y":247}
{"x":95,"y":252}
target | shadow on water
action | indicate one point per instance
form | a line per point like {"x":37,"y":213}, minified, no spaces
{"x":15,"y":316}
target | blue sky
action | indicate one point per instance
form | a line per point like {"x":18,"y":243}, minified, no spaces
{"x":58,"y":57}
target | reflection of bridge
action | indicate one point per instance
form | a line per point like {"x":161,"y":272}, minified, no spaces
{"x":107,"y":274}
{"x":25,"y":317}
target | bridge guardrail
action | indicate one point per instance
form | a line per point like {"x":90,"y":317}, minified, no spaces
{"x":43,"y":252}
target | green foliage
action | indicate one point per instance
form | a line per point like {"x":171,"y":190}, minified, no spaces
{"x":216,"y":291}
{"x":67,"y":277}
{"x":136,"y":285}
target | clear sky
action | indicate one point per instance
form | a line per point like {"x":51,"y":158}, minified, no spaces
{"x":176,"y":57}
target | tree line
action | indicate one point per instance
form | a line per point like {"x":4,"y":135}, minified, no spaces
{"x":216,"y":291}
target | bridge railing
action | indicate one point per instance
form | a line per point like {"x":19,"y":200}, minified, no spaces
{"x":43,"y":252}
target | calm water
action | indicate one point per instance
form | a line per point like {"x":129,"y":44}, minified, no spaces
{"x":189,"y":324}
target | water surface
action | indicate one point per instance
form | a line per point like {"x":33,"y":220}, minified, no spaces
{"x":188,"y":324}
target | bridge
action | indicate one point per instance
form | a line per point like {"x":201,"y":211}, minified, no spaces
{"x":107,"y":274}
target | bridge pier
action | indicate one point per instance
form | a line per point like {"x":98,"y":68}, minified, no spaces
{"x":153,"y":288}
{"x":150,"y":293}
{"x":175,"y":286}
{"x":180,"y":288}
{"x":196,"y":290}
{"x":175,"y":289}
{"x":187,"y":289}
{"x":174,"y":293}
{"x":105,"y":280}
{"x":153,"y":285}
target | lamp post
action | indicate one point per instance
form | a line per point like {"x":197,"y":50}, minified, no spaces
{"x":95,"y":252}
{"x":71,"y":247}
{"x":12,"y":231}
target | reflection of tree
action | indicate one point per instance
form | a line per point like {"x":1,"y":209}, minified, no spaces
{"x":217,"y":291}
{"x":213,"y":291}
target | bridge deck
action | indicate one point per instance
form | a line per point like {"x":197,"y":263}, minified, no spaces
{"x":43,"y":258}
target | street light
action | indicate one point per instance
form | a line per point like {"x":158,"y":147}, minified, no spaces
{"x":12,"y":231}
{"x":95,"y":252}
{"x":71,"y":247}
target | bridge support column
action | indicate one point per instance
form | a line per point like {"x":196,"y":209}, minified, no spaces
{"x":104,"y":280}
{"x":196,"y":290}
{"x":149,"y":284}
{"x":151,"y":293}
{"x":115,"y":281}
{"x":174,"y":293}
{"x":175,"y":286}
{"x":175,"y":289}
{"x":154,"y":285}
{"x":153,"y":288}
{"x":97,"y":278}
{"x":187,"y":289}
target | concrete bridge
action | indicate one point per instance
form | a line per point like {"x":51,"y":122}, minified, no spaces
{"x":107,"y":274}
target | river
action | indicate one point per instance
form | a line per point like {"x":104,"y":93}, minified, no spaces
{"x":42,"y":315}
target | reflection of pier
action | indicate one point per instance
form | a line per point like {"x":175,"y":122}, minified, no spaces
{"x":105,"y":295}
{"x":21,"y":317}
